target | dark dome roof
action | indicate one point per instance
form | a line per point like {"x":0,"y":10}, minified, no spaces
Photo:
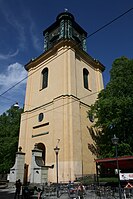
{"x":65,"y":15}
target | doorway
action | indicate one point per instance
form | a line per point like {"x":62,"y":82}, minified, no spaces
{"x":42,"y":147}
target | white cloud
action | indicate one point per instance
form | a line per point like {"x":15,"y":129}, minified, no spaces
{"x":9,"y":55}
{"x":14,"y":74}
{"x":35,"y":39}
{"x":12,"y":86}
{"x":33,"y":31}
{"x":23,"y":25}
{"x":10,"y":18}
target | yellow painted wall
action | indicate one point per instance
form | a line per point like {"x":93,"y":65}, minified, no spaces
{"x":64,"y":103}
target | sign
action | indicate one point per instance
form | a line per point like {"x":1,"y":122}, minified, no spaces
{"x":126,"y":176}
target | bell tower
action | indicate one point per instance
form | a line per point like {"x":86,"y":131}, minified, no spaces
{"x":65,"y":27}
{"x":62,"y":84}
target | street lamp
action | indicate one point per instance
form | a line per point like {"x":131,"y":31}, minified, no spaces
{"x":16,"y":105}
{"x":56,"y":149}
{"x":115,"y":142}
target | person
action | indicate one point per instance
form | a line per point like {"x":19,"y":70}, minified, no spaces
{"x":25,"y":192}
{"x":81,"y":191}
{"x":18,"y":185}
{"x":39,"y":193}
{"x":72,"y":191}
{"x":69,"y":185}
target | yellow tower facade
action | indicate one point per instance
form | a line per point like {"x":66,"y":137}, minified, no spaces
{"x":62,"y":84}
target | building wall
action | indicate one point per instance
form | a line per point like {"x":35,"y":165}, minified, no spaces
{"x":65,"y":103}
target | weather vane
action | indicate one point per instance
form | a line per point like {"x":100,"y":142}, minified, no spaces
{"x":66,"y":9}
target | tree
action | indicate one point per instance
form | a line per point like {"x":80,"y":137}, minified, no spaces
{"x":113,"y":112}
{"x":9,"y":133}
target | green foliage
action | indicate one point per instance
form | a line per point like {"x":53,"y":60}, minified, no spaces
{"x":9,"y":132}
{"x":113,"y":111}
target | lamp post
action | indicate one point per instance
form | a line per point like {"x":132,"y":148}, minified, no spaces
{"x":56,"y":149}
{"x":16,"y":105}
{"x":115,"y":142}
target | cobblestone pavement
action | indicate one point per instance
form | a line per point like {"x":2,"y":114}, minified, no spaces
{"x":8,"y":193}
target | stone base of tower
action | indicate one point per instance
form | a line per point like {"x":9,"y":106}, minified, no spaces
{"x":17,"y":171}
{"x":37,"y":173}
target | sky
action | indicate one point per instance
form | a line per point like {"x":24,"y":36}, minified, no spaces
{"x":21,"y":37}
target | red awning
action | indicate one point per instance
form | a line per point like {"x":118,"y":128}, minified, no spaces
{"x":124,"y":162}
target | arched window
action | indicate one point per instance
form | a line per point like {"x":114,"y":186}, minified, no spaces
{"x":44,"y":78}
{"x":85,"y":78}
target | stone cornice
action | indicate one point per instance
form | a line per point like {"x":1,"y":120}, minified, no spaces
{"x":68,"y":44}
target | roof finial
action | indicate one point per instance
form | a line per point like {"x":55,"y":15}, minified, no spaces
{"x":66,"y":9}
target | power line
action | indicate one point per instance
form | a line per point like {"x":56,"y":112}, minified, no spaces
{"x":99,"y":29}
{"x":107,"y":24}
{"x":7,"y":98}
{"x":13,"y":86}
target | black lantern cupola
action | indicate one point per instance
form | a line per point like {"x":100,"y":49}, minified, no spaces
{"x":66,"y":28}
